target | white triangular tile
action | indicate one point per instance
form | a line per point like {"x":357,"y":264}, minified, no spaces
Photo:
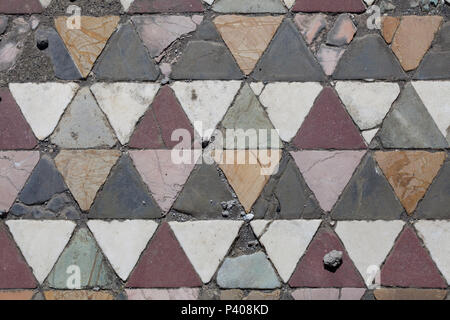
{"x":126,"y":4}
{"x":43,"y":104}
{"x":288,"y":104}
{"x":259,"y":226}
{"x":206,"y":243}
{"x":41,"y":242}
{"x":123,"y":241}
{"x":257,"y":87}
{"x":206,"y":102}
{"x":368,"y":135}
{"x":289,"y":3}
{"x":210,"y":2}
{"x":45,"y":3}
{"x":124,"y":104}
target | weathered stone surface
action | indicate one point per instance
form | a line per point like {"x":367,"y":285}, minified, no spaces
{"x":248,"y":271}
{"x":286,"y":241}
{"x":169,"y":6}
{"x":316,"y":294}
{"x":204,"y":60}
{"x":83,"y":252}
{"x":124,"y":103}
{"x":78,"y":295}
{"x":41,"y":242}
{"x":206,"y":243}
{"x":16,"y":295}
{"x":389,"y":26}
{"x":83,"y":125}
{"x":13,"y":43}
{"x":232,"y":294}
{"x":434,"y":66}
{"x":413,"y":39}
{"x":329,"y":6}
{"x":86,"y":43}
{"x":63,"y":65}
{"x":43,"y":104}
{"x":288,"y":104}
{"x":261,"y":295}
{"x":368,"y":57}
{"x":329,"y":57}
{"x":247,"y":37}
{"x":3,"y":23}
{"x":158,"y":31}
{"x":409,"y":265}
{"x":202,"y":193}
{"x":164,"y":264}
{"x":352,"y":293}
{"x":44,"y":182}
{"x":310,"y":25}
{"x":327,"y":184}
{"x":409,"y":125}
{"x":122,"y":241}
{"x":310,"y":271}
{"x":410,"y":173}
{"x":367,"y":103}
{"x":342,"y":32}
{"x":20,"y":6}
{"x":85,"y":172}
{"x":124,"y":195}
{"x":163,"y":294}
{"x":368,"y":196}
{"x":288,"y":58}
{"x":410,"y":294}
{"x":125,"y":58}
{"x":15,"y":132}
{"x":337,"y":130}
{"x":249,"y":6}
{"x":164,"y":116}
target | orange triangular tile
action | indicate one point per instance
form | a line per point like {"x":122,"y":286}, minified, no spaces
{"x":389,"y":26}
{"x":247,"y":37}
{"x":410,"y":173}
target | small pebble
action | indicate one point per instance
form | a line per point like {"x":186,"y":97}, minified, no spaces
{"x":333,"y":259}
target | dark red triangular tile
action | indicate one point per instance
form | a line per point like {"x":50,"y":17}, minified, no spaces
{"x":15,"y":132}
{"x":410,"y":265}
{"x":329,"y":126}
{"x":164,"y":264}
{"x":161,"y":120}
{"x":310,"y":271}
{"x":14,"y":271}
{"x":169,"y":6}
{"x":329,"y":6}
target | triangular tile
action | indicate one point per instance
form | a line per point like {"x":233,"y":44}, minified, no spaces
{"x":124,"y":103}
{"x":434,"y":66}
{"x":122,"y":242}
{"x":247,"y":37}
{"x":288,"y":58}
{"x":126,"y":4}
{"x":83,"y":125}
{"x":356,"y":6}
{"x":410,"y":265}
{"x":41,"y":242}
{"x":164,"y":264}
{"x":328,"y":126}
{"x":287,"y":196}
{"x":164,"y":178}
{"x":250,"y":271}
{"x":368,"y":57}
{"x":125,"y":58}
{"x":327,"y":184}
{"x":15,"y":131}
{"x":84,"y":253}
{"x":247,"y":114}
{"x":166,"y":6}
{"x":43,"y":104}
{"x":246,"y":171}
{"x":409,"y":125}
{"x":78,"y":295}
{"x":156,"y":127}
{"x":85,"y":172}
{"x":45,"y":3}
{"x":436,"y":236}
{"x":436,"y":203}
{"x":16,"y":274}
{"x":19,"y":295}
{"x":368,"y":243}
{"x":436,"y":96}
{"x":163,"y":294}
{"x":410,"y":294}
{"x":203,"y":193}
{"x":410,"y":173}
{"x":86,"y":43}
{"x":20,"y":6}
{"x":285,"y":242}
{"x":289,"y":3}
{"x":206,"y":102}
{"x":389,"y":26}
{"x":288,"y":104}
{"x":367,"y":103}
{"x":206,"y":243}
{"x":158,"y":31}
{"x":44,"y":182}
{"x":311,"y":273}
{"x":124,"y":195}
{"x":367,"y":196}
{"x":15,"y":168}
{"x":249,"y":6}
